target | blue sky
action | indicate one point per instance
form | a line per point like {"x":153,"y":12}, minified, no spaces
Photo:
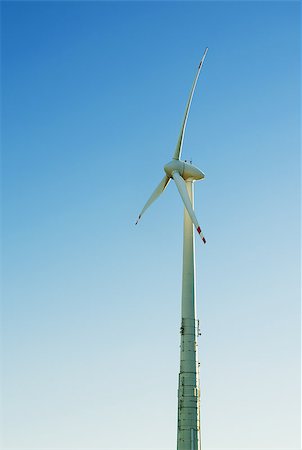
{"x":93,"y":96}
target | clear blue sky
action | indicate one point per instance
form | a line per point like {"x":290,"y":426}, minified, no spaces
{"x":93,"y":96}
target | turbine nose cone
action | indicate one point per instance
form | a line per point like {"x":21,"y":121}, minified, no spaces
{"x":173,"y":166}
{"x":167,"y":169}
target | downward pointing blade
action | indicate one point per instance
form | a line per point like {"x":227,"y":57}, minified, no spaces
{"x":160,"y":188}
{"x":182,"y":189}
{"x":177,"y":153}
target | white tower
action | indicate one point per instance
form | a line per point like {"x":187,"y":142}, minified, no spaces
{"x":188,"y":426}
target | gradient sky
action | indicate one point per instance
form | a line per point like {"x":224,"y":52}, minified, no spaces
{"x":93,"y":95}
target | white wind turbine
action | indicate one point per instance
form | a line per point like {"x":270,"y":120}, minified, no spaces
{"x":184,"y":174}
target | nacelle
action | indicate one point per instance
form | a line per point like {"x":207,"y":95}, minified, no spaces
{"x":186,"y":170}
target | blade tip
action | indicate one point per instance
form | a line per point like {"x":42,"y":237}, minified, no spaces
{"x":202,"y":237}
{"x":204,"y":55}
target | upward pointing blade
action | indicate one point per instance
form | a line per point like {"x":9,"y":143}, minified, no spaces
{"x":177,"y":153}
{"x":182,"y":189}
{"x":160,"y":188}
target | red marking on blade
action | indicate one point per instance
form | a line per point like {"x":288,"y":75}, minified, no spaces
{"x":199,"y":230}
{"x":204,"y":240}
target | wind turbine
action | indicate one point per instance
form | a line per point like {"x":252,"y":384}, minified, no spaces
{"x":184,"y":174}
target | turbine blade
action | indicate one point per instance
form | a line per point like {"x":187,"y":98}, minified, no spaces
{"x":160,"y":188}
{"x":182,"y":189}
{"x":177,"y":153}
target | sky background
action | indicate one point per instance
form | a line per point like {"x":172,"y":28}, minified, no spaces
{"x":93,"y":96}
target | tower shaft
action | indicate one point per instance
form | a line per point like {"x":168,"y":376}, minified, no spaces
{"x":188,"y":430}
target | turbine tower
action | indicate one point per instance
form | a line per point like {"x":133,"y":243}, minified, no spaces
{"x":184,"y":175}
